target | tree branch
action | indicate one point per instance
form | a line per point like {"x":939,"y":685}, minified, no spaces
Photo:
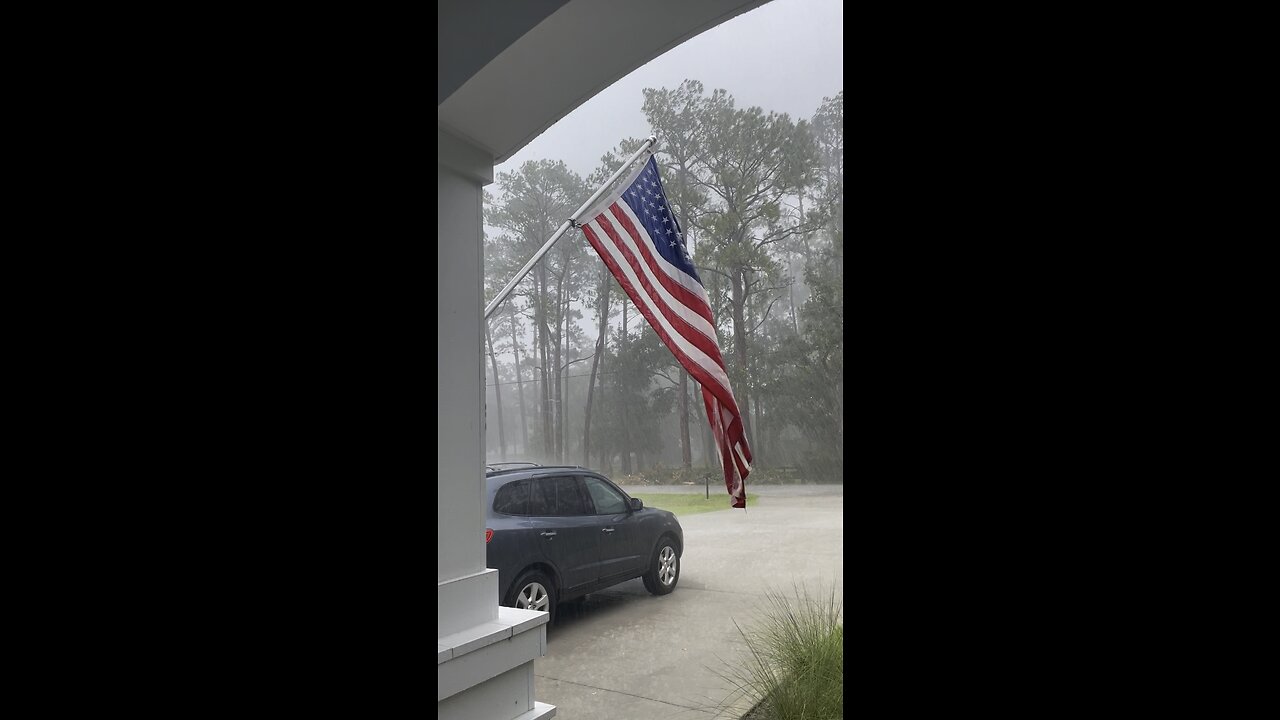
{"x":794,"y":230}
{"x":665,"y":376}
{"x":766,"y":315}
{"x":566,"y":365}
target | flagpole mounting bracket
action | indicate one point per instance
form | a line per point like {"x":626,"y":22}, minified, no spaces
{"x":511,"y":284}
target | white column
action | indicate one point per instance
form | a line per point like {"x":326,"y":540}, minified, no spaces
{"x":484,"y":665}
{"x":467,"y":599}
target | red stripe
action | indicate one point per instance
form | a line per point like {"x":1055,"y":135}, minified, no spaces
{"x":727,"y":460}
{"x":681,"y":326}
{"x":695,"y":336}
{"x":689,"y":299}
{"x":737,"y":436}
{"x":723,"y":394}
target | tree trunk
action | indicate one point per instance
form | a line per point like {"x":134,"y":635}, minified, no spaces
{"x":686,"y":452}
{"x":558,"y":412}
{"x":606,"y":454}
{"x":595,"y":363}
{"x":515,"y":347}
{"x":564,"y":398}
{"x":791,"y":294}
{"x":626,"y":424}
{"x":740,"y":349}
{"x":568,"y":342}
{"x":543,"y":334}
{"x":712,"y":458}
{"x":757,"y":450}
{"x":704,"y":428}
{"x":497,"y":390}
{"x":839,"y":395}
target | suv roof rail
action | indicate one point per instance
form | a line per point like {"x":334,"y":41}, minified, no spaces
{"x":506,"y":467}
{"x":495,"y":468}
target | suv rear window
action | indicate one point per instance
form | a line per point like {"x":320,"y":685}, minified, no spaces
{"x":512,"y":498}
{"x":557,"y":496}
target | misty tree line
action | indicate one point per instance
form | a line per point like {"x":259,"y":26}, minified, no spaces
{"x":574,"y":373}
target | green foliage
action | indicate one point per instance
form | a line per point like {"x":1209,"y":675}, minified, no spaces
{"x":636,"y":427}
{"x":793,"y":667}
{"x":534,"y":201}
{"x":811,"y":394}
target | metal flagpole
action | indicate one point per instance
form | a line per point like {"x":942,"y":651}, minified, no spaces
{"x":502,"y":295}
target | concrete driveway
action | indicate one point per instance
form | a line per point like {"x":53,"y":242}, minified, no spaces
{"x":624,"y":654}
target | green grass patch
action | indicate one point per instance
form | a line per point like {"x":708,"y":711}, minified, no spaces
{"x":691,"y":504}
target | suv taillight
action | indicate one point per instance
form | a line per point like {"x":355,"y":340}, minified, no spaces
{"x":488,"y":535}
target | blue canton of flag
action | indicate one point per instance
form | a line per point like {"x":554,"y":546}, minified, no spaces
{"x":650,"y":205}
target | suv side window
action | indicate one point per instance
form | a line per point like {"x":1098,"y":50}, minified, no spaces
{"x":557,"y":496}
{"x":608,"y":501}
{"x":512,"y":498}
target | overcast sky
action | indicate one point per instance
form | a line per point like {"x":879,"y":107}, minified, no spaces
{"x":784,"y":56}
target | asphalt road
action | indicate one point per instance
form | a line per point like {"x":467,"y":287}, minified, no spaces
{"x":624,"y":654}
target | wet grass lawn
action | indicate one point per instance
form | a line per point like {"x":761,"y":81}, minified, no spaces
{"x":682,"y":504}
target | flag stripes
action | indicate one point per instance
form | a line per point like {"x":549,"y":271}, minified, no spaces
{"x":650,"y":261}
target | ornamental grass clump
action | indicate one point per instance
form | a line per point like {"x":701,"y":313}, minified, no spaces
{"x":793,"y":664}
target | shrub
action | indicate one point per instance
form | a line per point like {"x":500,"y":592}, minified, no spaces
{"x":793,"y":668}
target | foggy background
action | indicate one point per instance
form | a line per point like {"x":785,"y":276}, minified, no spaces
{"x":749,"y":118}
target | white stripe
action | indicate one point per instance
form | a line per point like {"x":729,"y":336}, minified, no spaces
{"x":737,"y":448}
{"x":686,"y":347}
{"x":698,"y":322}
{"x":613,"y":197}
{"x":672,"y":271}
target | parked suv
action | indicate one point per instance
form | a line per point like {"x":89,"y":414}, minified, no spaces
{"x":557,"y":533}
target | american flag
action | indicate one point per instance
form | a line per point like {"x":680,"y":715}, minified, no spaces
{"x":638,"y":237}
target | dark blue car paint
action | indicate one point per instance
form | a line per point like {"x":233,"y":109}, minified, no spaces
{"x":585,"y":553}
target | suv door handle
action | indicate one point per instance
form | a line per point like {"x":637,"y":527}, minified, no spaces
{"x":548,"y":534}
{"x":606,"y":530}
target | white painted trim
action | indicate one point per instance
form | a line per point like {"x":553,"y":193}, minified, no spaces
{"x":466,"y":602}
{"x":479,"y":658}
{"x":540,"y":711}
{"x":463,"y":157}
{"x":509,"y":623}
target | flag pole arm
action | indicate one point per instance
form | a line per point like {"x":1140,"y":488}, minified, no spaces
{"x":564,"y":226}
